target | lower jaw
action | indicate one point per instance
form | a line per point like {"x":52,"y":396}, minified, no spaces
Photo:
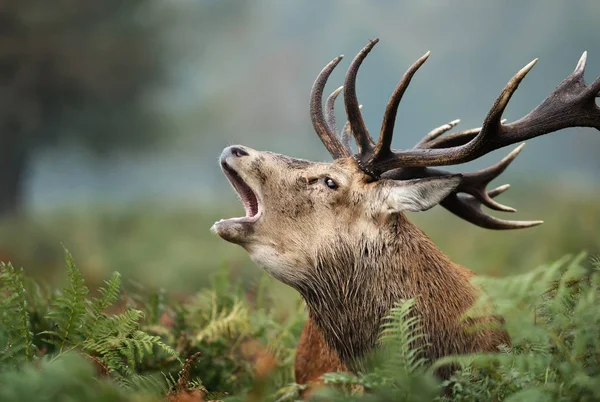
{"x":234,"y":231}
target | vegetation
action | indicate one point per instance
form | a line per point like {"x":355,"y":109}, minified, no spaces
{"x":227,"y":342}
{"x":191,"y":318}
{"x":166,"y":245}
{"x":75,"y":72}
{"x":118,"y":342}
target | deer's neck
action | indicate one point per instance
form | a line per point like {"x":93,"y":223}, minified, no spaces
{"x":357,"y":283}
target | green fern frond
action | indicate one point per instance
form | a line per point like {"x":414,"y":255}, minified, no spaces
{"x":120,"y":344}
{"x":68,"y":309}
{"x":110,"y":295}
{"x":150,"y":385}
{"x":119,"y":325}
{"x":14,"y":316}
{"x":403,"y":339}
{"x":553,"y":322}
{"x":397,"y":370}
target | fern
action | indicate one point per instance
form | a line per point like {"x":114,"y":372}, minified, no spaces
{"x":73,"y":321}
{"x":121,"y":345}
{"x":81,"y":323}
{"x":397,"y":370}
{"x":126,"y":346}
{"x":147,"y":384}
{"x":68,"y":309}
{"x":110,"y":295}
{"x":401,"y":338}
{"x":553,"y":318}
{"x":17,"y":339}
{"x":226,"y":323}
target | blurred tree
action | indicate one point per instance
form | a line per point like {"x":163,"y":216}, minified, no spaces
{"x":74,"y":71}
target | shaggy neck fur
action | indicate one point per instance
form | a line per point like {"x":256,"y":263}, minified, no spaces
{"x":355,"y":285}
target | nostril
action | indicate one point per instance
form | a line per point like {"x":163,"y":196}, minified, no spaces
{"x":238,"y":152}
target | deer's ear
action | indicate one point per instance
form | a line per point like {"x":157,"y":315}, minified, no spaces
{"x":419,"y":194}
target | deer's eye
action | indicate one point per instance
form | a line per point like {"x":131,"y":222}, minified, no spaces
{"x":330,"y":183}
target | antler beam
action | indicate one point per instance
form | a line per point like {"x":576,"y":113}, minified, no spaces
{"x":571,"y":104}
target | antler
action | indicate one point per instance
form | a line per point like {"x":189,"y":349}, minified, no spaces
{"x":571,"y":104}
{"x":321,"y":124}
{"x":566,"y":90}
{"x":364,"y":142}
{"x":468,"y":206}
{"x":331,"y":123}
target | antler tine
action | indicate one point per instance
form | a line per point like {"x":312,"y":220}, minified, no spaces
{"x":468,"y":208}
{"x":498,"y":190}
{"x":451,"y":140}
{"x":384,"y":143}
{"x":594,"y":88}
{"x":580,"y":67}
{"x":475,"y":183}
{"x":571,"y":104}
{"x":330,"y":109}
{"x":364,"y":142}
{"x":436,"y":132}
{"x":346,"y":133}
{"x":327,"y":136}
{"x":491,"y":124}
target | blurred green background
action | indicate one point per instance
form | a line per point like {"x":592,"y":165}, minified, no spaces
{"x":113,"y":113}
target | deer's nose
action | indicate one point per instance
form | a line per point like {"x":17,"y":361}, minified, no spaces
{"x":235,"y":151}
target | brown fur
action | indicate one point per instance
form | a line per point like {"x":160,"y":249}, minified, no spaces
{"x":349,"y":305}
{"x":314,"y":358}
{"x":351,"y":253}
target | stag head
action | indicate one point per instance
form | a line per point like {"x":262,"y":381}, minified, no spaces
{"x":295,"y":208}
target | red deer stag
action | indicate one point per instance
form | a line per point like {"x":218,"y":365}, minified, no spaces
{"x":337,"y":233}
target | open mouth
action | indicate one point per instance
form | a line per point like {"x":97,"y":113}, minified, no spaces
{"x":247,"y":195}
